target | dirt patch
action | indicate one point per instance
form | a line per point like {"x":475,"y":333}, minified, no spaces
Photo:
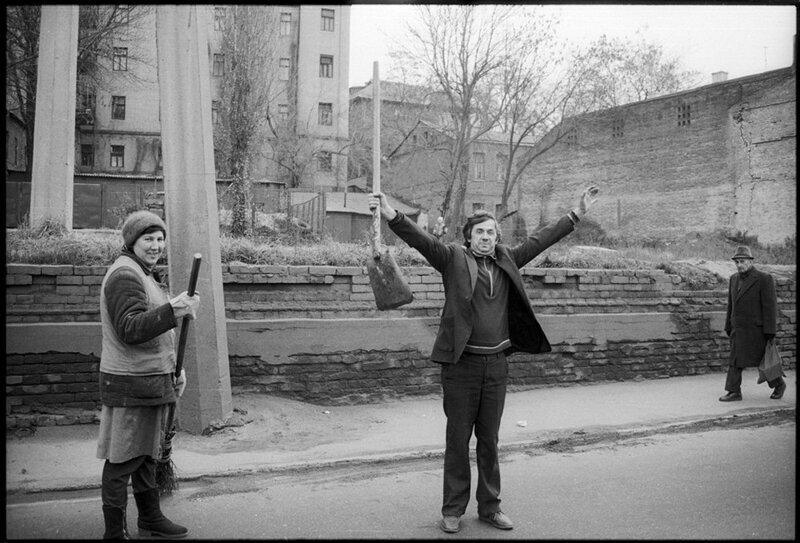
{"x":261,"y":421}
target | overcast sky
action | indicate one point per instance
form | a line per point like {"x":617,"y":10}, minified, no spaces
{"x":740,"y":40}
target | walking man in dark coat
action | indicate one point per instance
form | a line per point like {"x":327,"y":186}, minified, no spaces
{"x":751,"y":321}
{"x":486,"y":316}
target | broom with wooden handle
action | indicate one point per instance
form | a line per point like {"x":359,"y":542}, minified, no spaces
{"x":166,"y":477}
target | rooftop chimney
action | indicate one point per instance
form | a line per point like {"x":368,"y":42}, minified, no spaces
{"x":716,"y":77}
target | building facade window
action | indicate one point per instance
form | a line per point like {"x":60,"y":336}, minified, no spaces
{"x":86,"y":107}
{"x":119,"y":62}
{"x":477,"y":206}
{"x":571,"y":137}
{"x":500,"y":163}
{"x":218,"y":68}
{"x":684,"y":115}
{"x":283,"y":112}
{"x":325,"y":66}
{"x":283,"y":69}
{"x":327,"y":20}
{"x":617,"y":128}
{"x":117,"y":156}
{"x":92,"y":16}
{"x":118,"y":108}
{"x":215,"y":112}
{"x":286,"y":24}
{"x":87,"y":101}
{"x":498,"y":209}
{"x":325,"y":113}
{"x":87,"y":156}
{"x":325,"y":161}
{"x":121,"y":14}
{"x":219,"y":18}
{"x":479,"y":160}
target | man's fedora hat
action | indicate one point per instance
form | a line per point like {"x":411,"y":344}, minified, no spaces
{"x":742,"y":251}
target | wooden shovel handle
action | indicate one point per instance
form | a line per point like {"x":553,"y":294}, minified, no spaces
{"x":376,"y":158}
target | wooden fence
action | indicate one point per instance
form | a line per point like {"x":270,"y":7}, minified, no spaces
{"x":311,"y":212}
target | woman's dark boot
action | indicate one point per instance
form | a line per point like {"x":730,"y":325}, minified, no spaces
{"x":152,"y":521}
{"x":116,"y":523}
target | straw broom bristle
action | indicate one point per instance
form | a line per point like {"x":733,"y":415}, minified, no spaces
{"x":166,"y":477}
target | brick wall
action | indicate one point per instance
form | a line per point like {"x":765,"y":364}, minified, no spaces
{"x":731,"y":168}
{"x":313,"y":333}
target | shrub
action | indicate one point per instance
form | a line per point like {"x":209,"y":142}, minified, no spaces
{"x":589,"y":232}
{"x":74,"y":248}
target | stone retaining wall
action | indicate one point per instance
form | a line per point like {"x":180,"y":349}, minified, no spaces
{"x":313,"y":333}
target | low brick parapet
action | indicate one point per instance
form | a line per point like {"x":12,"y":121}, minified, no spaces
{"x":313,"y":333}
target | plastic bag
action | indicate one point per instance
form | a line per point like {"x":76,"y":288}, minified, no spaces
{"x":770,"y":367}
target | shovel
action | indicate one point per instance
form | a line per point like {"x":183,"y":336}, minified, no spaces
{"x":390,"y":289}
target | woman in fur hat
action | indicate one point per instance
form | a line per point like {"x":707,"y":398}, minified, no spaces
{"x":137,"y":380}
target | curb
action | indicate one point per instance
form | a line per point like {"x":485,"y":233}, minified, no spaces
{"x":558,"y":441}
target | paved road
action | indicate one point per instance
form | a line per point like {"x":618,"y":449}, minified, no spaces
{"x":733,"y":483}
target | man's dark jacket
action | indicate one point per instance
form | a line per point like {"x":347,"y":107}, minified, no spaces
{"x":460,"y":274}
{"x":752,"y":312}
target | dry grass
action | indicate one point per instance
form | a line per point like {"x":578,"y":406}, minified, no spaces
{"x":51,"y":245}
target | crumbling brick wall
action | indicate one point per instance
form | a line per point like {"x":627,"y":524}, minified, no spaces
{"x":313,"y":333}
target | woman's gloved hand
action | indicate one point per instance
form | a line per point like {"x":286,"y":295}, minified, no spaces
{"x":180,"y":383}
{"x":184,"y":305}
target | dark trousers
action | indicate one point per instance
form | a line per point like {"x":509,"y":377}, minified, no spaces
{"x":141,"y":471}
{"x":474,"y":393}
{"x":733,"y":381}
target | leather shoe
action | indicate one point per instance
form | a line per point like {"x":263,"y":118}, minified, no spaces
{"x":498,"y":520}
{"x":450,"y":524}
{"x":777,"y":394}
{"x":731,"y":397}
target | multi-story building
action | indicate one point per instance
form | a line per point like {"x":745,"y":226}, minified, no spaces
{"x":414,"y":142}
{"x":309,"y":93}
{"x":118,"y":142}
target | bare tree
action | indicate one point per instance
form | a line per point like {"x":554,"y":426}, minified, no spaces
{"x":548,"y":86}
{"x":502,"y":67}
{"x":633,"y":70}
{"x":248,"y":48}
{"x":462,"y":47}
{"x":293,"y":151}
{"x":101,"y":26}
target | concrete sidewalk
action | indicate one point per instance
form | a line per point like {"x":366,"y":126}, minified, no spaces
{"x":268,"y":434}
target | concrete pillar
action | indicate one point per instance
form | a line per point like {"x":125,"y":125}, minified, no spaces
{"x":53,"y":169}
{"x":190,"y":204}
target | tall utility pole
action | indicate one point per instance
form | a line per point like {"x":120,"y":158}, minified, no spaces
{"x":190,"y":205}
{"x":54,"y":128}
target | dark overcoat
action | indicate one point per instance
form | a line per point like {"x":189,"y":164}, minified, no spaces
{"x":460,"y":275}
{"x":752,"y":312}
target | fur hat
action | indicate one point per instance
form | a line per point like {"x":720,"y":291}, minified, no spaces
{"x":139,"y":221}
{"x":742,"y":251}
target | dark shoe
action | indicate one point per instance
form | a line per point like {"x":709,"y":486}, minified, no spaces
{"x":450,"y":524}
{"x":498,"y":520}
{"x":777,"y":394}
{"x":152,"y":521}
{"x":116,"y":524}
{"x":731,"y":397}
